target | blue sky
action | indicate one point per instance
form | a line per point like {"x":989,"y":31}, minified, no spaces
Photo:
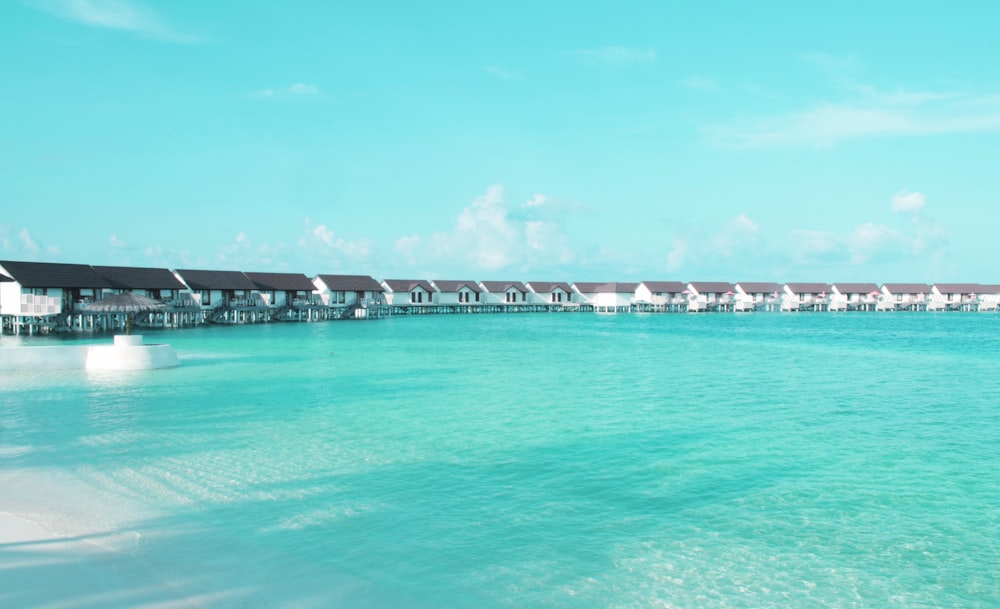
{"x":569,"y":141}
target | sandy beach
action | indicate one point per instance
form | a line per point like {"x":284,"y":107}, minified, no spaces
{"x":39,"y":569}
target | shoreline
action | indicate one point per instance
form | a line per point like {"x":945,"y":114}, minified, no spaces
{"x":39,"y":568}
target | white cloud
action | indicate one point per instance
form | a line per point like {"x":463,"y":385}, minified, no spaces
{"x":869,"y":114}
{"x":321,"y":242}
{"x":297,"y":90}
{"x":698,"y":82}
{"x":535,"y":201}
{"x":677,"y":255}
{"x":27,"y":242}
{"x":869,"y":241}
{"x":116,"y":15}
{"x":617,"y":55}
{"x":117,"y":243}
{"x":488,"y":237}
{"x":502,"y":72}
{"x":906,"y":202}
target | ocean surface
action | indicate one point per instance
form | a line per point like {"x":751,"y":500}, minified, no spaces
{"x":535,"y":460}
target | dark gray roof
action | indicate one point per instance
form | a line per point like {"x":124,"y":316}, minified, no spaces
{"x":408,"y":285}
{"x":856,"y":288}
{"x":446,"y":285}
{"x":712,"y":287}
{"x":617,"y":287}
{"x":351,"y":283}
{"x":907,"y":288}
{"x":499,"y":287}
{"x":587,"y":287}
{"x":959,"y":288}
{"x":288,"y":282}
{"x":53,"y":275}
{"x":4,"y":278}
{"x":139,"y":278}
{"x":759,"y":287}
{"x":547,"y":287}
{"x":809,"y":288}
{"x":216,"y":280}
{"x":668,"y":287}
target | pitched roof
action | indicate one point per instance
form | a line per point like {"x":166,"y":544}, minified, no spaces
{"x":547,"y":287}
{"x":990,"y":288}
{"x":856,"y":288}
{"x":139,"y":278}
{"x":53,"y":275}
{"x":617,"y":287}
{"x":907,"y":288}
{"x":959,"y":288}
{"x":809,"y":288}
{"x":670,"y":287}
{"x":216,"y":280}
{"x":712,"y":287}
{"x":496,"y":287}
{"x":759,"y":287}
{"x":446,"y":285}
{"x":4,"y":278}
{"x":288,"y":282}
{"x":351,"y":283}
{"x":587,"y":287}
{"x":408,"y":285}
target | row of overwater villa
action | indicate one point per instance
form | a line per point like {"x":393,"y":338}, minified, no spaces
{"x":45,"y":296}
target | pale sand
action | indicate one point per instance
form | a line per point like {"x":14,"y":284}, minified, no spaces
{"x":39,"y":569}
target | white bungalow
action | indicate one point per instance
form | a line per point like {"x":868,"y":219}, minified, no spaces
{"x":805,"y":296}
{"x":549,"y":292}
{"x":854,"y":297}
{"x":989,"y":298}
{"x":224,"y":296}
{"x":661,"y":296}
{"x":457,"y":293}
{"x":955,"y":297}
{"x":710,"y":296}
{"x":904,"y":297}
{"x":401,"y":292}
{"x":279,"y":290}
{"x":585,"y":292}
{"x":348,"y":290}
{"x":615,"y":297}
{"x":504,"y":292}
{"x":41,"y":290}
{"x":156,"y":283}
{"x":757,"y":296}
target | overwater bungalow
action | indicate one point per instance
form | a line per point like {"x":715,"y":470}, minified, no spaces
{"x":512,"y":295}
{"x":757,"y":296}
{"x":457,"y":293}
{"x":655,"y":296}
{"x":552,"y":293}
{"x":225,"y":296}
{"x":710,"y":296}
{"x":989,"y":297}
{"x":157,"y":283}
{"x":903,"y":297}
{"x":355,"y":296}
{"x":615,"y":297}
{"x":409,"y":295}
{"x":954,"y":297}
{"x":43,"y":296}
{"x":805,"y":296}
{"x":288,"y":296}
{"x":854,"y":296}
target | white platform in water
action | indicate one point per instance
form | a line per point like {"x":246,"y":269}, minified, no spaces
{"x":127,"y":353}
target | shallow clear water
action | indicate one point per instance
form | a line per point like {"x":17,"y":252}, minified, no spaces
{"x":558,"y":460}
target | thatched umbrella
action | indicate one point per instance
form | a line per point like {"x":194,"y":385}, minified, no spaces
{"x":129,"y":303}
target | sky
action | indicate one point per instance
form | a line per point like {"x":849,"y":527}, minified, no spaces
{"x":532,"y":141}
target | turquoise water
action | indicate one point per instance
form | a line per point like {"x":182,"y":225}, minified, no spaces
{"x":544,"y":460}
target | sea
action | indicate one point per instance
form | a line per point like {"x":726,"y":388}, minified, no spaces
{"x":534,"y":460}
